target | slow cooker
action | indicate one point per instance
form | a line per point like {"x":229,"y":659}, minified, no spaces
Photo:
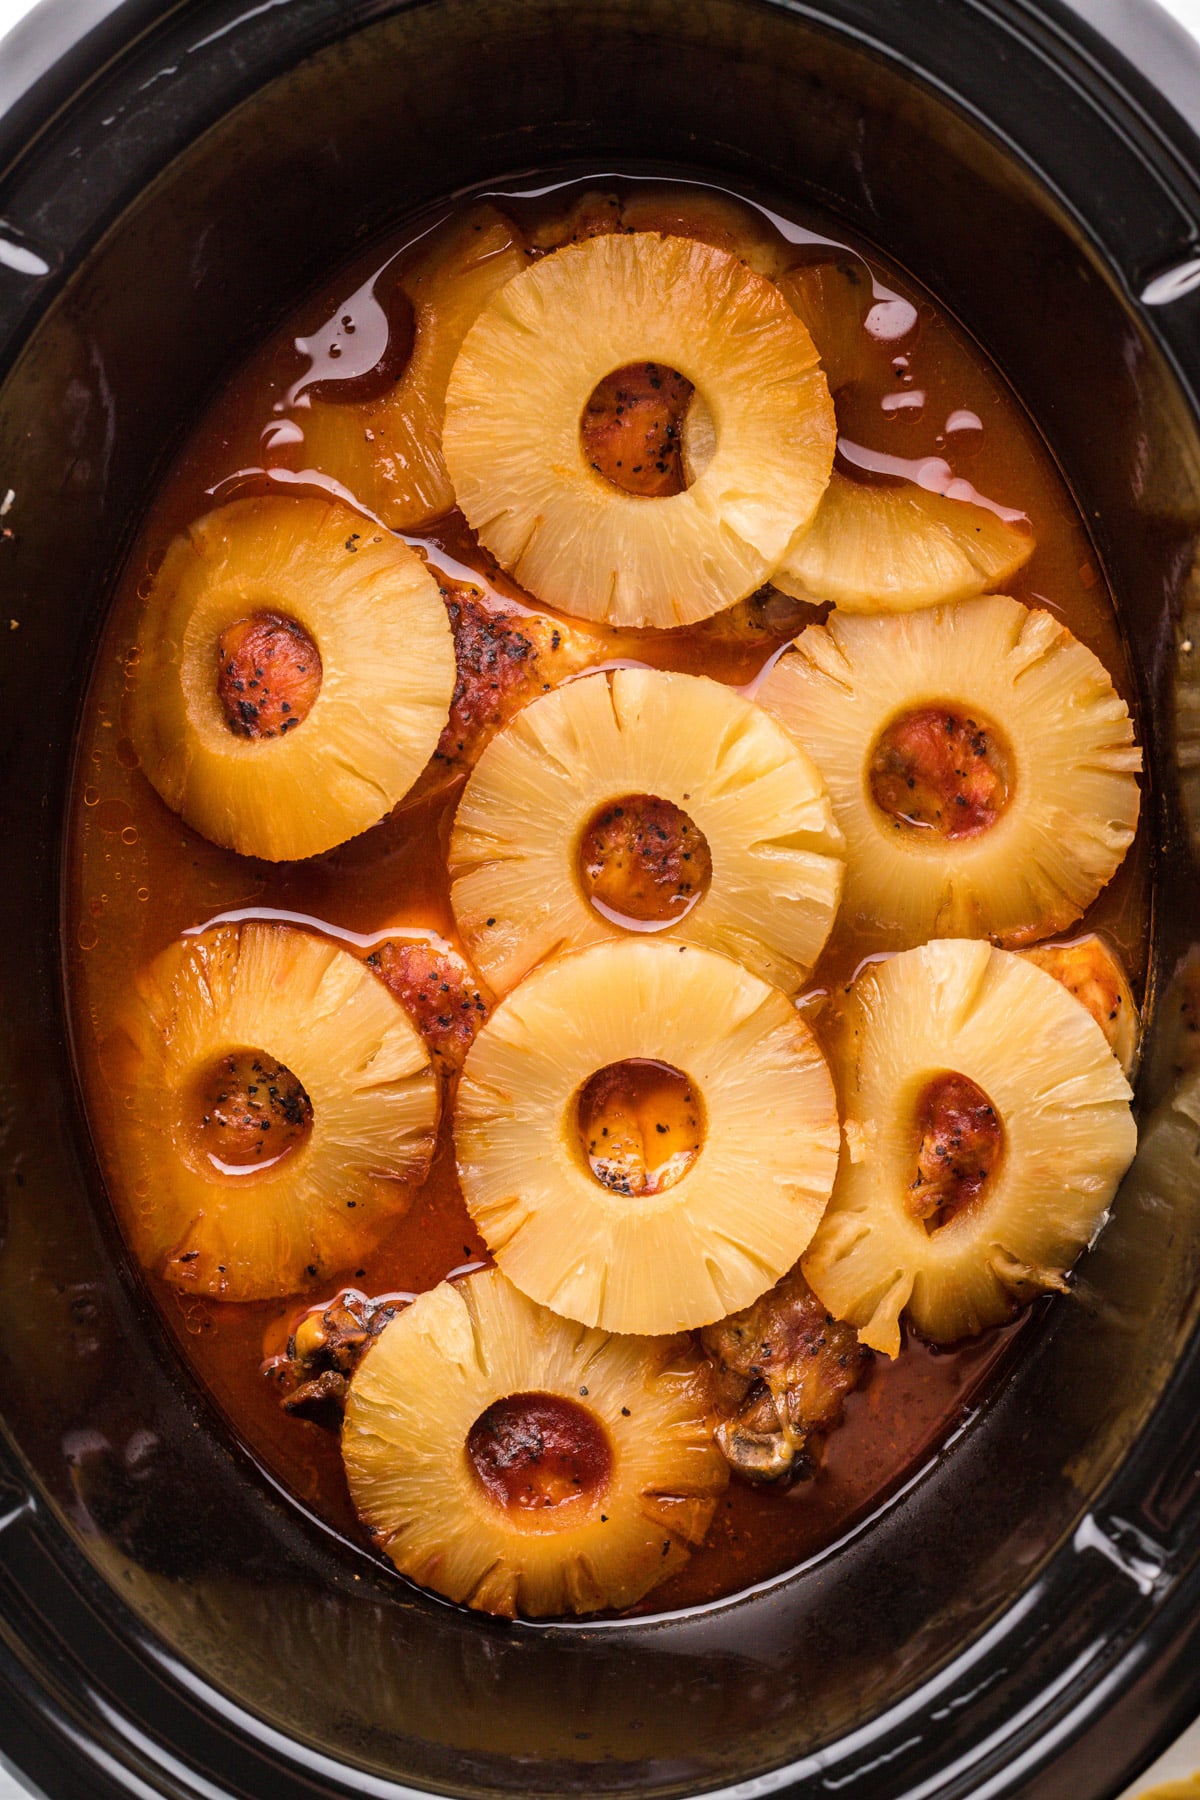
{"x":1023,"y":1617}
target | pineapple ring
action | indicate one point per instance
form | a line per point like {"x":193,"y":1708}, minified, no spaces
{"x":883,"y":549}
{"x":310,"y":1005}
{"x":1073,"y":797}
{"x":748,"y":1205}
{"x":388,"y":452}
{"x":755,"y":796}
{"x":459,"y":1349}
{"x":1069,"y":1136}
{"x":376,"y":616}
{"x":517,"y":395}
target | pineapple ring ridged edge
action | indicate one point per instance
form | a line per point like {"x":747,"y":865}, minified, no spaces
{"x":316,"y":1008}
{"x":442,"y":1362}
{"x":377,"y":618}
{"x":965,"y":549}
{"x":1074,"y":799}
{"x":745,"y":1209}
{"x":756,"y":796}
{"x":388,"y":452}
{"x":511,"y":435}
{"x":963,"y":1007}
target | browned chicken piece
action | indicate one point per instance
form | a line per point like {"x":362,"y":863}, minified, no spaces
{"x":505,"y":660}
{"x":439,"y":991}
{"x":767,"y":619}
{"x":1089,"y":970}
{"x":960,"y":1145}
{"x":324,"y":1351}
{"x":783,"y":1368}
{"x":632,"y":429}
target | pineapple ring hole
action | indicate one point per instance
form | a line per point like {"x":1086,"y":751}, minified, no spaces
{"x":960,"y":1140}
{"x":641,"y":1126}
{"x":268,"y":675}
{"x":643,"y":862}
{"x":533,"y":1453}
{"x":632,"y":429}
{"x":246,"y":1111}
{"x":940,"y":772}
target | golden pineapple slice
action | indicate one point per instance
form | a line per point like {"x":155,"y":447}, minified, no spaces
{"x":883,"y":549}
{"x":274,"y":1109}
{"x":733,"y":792}
{"x":833,"y":293}
{"x":981,"y":766}
{"x":898,"y":548}
{"x":515,"y":452}
{"x":650,"y":1242}
{"x":337,"y":594}
{"x":1088,"y":969}
{"x":388,"y":451}
{"x":523,"y":1465}
{"x":959,"y":1210}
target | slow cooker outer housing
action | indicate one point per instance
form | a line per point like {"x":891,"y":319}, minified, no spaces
{"x":1025,"y":1617}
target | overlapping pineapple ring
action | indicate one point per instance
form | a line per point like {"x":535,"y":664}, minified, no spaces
{"x":962,"y":1007}
{"x":746,"y":1207}
{"x":1073,"y":797}
{"x":759,"y":801}
{"x":458,"y":1350}
{"x":310,"y":1005}
{"x":387,"y":654}
{"x":883,"y":549}
{"x":528,"y":365}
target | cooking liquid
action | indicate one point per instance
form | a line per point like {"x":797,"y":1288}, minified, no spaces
{"x":926,"y":403}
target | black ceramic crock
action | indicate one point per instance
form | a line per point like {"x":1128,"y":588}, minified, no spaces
{"x":1024,"y":1617}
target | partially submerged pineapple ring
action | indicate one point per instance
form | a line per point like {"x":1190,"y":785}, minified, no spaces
{"x":964,"y":1008}
{"x":517,"y":395}
{"x":879,"y":549}
{"x":1072,"y":795}
{"x":743,"y":1211}
{"x":388,"y":451}
{"x":305,"y":1003}
{"x":459,"y":1350}
{"x":757,"y":799}
{"x":375,"y":615}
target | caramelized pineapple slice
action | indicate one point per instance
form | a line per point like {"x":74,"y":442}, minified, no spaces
{"x":1088,"y":969}
{"x":275,"y":1109}
{"x":708,"y":218}
{"x":981,"y":765}
{"x":639,"y":800}
{"x":522,"y":1465}
{"x":833,"y":294}
{"x":388,"y":451}
{"x":988,"y":1125}
{"x":895,"y":549}
{"x":515,"y":451}
{"x":883,"y":549}
{"x":296,"y":672}
{"x":646,"y":1136}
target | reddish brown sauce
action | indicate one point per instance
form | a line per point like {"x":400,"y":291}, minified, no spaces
{"x":632,"y":429}
{"x":935,"y":770}
{"x":539,"y":1452}
{"x":961,"y":1140}
{"x":268,"y":675}
{"x":138,"y":876}
{"x":641,"y":1125}
{"x":644,"y":859}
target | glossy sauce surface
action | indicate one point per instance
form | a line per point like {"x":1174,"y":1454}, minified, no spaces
{"x":924,"y":401}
